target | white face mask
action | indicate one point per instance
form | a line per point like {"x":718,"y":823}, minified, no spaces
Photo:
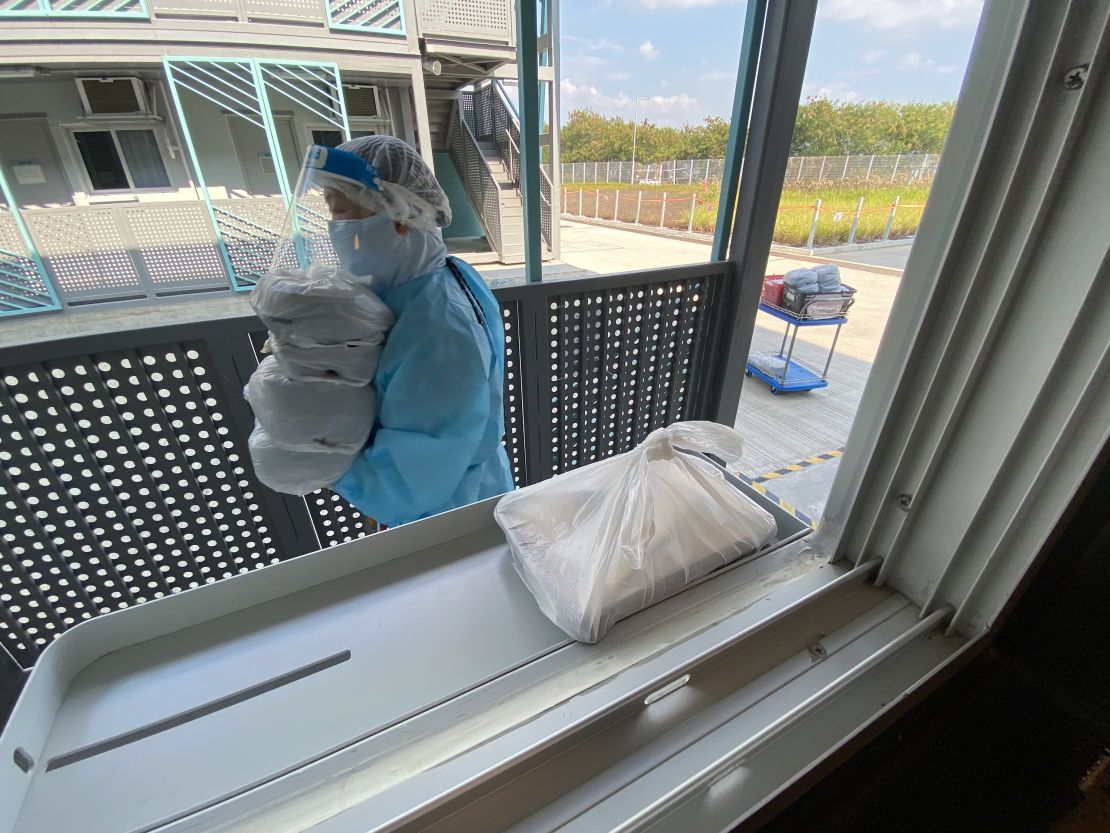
{"x":373,"y":249}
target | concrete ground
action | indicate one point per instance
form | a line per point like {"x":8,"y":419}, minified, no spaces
{"x":893,"y":255}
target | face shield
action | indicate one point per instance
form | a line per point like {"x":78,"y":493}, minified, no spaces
{"x":346,"y":201}
{"x":335,"y":202}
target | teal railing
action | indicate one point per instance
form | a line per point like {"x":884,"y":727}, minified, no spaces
{"x":74,"y":8}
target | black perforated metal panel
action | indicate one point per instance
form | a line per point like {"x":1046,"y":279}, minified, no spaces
{"x":514,"y":398}
{"x":123,"y":481}
{"x":620,"y":365}
{"x":126,"y":475}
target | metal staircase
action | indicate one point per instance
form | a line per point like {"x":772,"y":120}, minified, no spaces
{"x":483,"y":138}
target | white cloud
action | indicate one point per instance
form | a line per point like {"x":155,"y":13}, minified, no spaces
{"x":594,"y":44}
{"x":718,"y":75}
{"x":673,"y":109}
{"x":872,"y":55}
{"x":899,"y":14}
{"x":619,"y":76}
{"x":591,"y":60}
{"x":837,"y":91}
{"x":861,"y":72}
{"x":682,"y":4}
{"x":914,"y":60}
{"x":648,"y":51}
{"x":947,"y":70}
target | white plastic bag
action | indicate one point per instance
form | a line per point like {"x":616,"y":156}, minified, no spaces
{"x":295,"y":472}
{"x":319,"y":306}
{"x":310,"y":416}
{"x":351,"y":363}
{"x":600,"y":543}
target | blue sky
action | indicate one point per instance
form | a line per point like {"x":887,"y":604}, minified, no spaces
{"x":682,"y":55}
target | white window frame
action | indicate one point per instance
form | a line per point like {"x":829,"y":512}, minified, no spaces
{"x":137,"y":85}
{"x":354,"y":85}
{"x":108,"y":127}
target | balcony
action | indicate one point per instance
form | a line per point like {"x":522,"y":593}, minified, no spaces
{"x":475,"y":21}
{"x":126,"y":475}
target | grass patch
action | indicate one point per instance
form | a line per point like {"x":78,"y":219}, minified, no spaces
{"x":644,"y":204}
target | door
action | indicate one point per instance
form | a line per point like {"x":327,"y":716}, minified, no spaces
{"x":254,"y":154}
{"x":31,"y":164}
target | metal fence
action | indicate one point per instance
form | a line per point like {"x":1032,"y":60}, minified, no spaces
{"x":126,"y":475}
{"x":902,"y":167}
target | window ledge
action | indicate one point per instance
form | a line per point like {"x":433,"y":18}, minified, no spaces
{"x":108,"y":199}
{"x":425,"y":673}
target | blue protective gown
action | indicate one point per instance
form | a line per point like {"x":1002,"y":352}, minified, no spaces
{"x":436,"y":442}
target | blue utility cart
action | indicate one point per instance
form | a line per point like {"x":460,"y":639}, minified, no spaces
{"x":795,"y":376}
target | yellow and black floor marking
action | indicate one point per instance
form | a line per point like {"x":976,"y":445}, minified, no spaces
{"x":801,"y":464}
{"x":783,"y":504}
{"x":757,"y":483}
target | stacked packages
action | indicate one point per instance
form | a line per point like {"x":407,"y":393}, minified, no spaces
{"x":823,"y":278}
{"x":312,"y":399}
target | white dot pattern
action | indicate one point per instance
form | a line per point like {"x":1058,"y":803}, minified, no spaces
{"x":620,"y":363}
{"x":514,"y":401}
{"x":121,"y":482}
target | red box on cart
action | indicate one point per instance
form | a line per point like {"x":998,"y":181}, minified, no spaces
{"x":772,"y":290}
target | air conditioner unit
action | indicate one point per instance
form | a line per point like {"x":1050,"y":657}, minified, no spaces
{"x":362,"y":101}
{"x":112,"y":96}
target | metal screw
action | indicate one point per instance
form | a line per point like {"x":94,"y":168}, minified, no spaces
{"x":1076,"y":77}
{"x":817,"y":650}
{"x":904,"y":502}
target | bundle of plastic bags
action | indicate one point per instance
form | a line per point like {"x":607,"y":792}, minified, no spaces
{"x":607,"y":540}
{"x":322,"y":324}
{"x":312,"y":400}
{"x":828,"y":277}
{"x":822,"y":278}
{"x":803,"y":280}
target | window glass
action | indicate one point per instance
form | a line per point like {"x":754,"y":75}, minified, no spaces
{"x":116,"y":96}
{"x":102,"y":160}
{"x":880,"y":90}
{"x":328,"y":138}
{"x":144,"y":162}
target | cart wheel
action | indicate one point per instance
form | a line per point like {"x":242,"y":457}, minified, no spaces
{"x":774,"y":391}
{"x":747,"y":373}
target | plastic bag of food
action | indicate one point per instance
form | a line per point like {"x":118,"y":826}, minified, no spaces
{"x":770,"y":363}
{"x":828,"y":277}
{"x":607,"y":540}
{"x":350,"y":363}
{"x":294,"y":472}
{"x":319,"y":306}
{"x":310,"y":416}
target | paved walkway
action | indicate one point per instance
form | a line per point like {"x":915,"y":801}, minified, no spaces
{"x":894,"y":255}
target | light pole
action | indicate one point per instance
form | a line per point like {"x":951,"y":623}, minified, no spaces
{"x":635,"y":127}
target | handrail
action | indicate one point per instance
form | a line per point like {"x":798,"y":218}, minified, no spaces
{"x":501,"y":92}
{"x":486,"y":192}
{"x":474,"y":142}
{"x":512,"y":123}
{"x":500,"y":88}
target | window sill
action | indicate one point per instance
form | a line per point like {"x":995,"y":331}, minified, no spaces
{"x":439,"y":697}
{"x":109,"y":199}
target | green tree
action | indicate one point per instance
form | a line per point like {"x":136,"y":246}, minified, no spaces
{"x":824,"y":128}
